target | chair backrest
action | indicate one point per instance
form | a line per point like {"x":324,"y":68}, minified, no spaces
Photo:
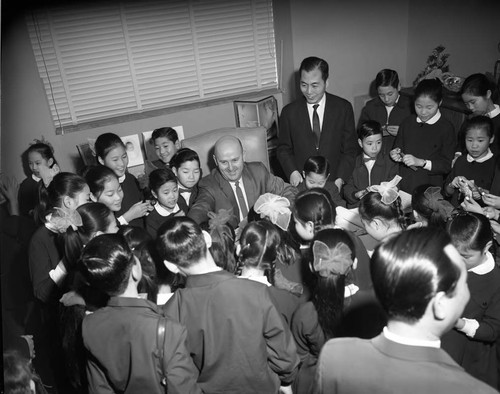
{"x":254,"y":142}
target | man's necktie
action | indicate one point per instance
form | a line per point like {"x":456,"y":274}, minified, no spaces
{"x":241,"y":200}
{"x":316,"y":128}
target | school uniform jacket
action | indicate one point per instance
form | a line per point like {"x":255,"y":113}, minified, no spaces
{"x":131,"y":194}
{"x":216,"y":193}
{"x":121,"y":340}
{"x":236,"y":336}
{"x":383,"y":170}
{"x":375,"y":110}
{"x":435,"y":142}
{"x":381,"y":366}
{"x":338,"y":140}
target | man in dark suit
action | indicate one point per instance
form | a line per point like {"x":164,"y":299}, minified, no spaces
{"x":317,"y":124}
{"x":235,"y":184}
{"x":420,"y":280}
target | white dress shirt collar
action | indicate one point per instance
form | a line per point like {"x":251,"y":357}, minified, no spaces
{"x":410,"y":341}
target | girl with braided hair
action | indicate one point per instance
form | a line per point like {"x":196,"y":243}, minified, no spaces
{"x":380,"y":210}
{"x":257,"y":254}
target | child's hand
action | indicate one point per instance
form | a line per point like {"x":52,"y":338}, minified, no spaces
{"x":396,"y":155}
{"x":495,"y":226}
{"x":410,"y":160}
{"x":359,"y":195}
{"x":392,"y":130}
{"x":295,"y":178}
{"x":491,"y":200}
{"x":339,"y":183}
{"x":491,"y":213}
{"x":470,"y":205}
{"x":138,"y":210}
{"x":455,"y":183}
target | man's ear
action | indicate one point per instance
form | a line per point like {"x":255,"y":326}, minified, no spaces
{"x":101,"y":161}
{"x":215,"y":161}
{"x":136,"y":271}
{"x":439,"y":305}
{"x":171,"y":267}
{"x":327,"y":82}
{"x":244,"y":153}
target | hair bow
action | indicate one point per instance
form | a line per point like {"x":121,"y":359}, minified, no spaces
{"x":275,"y":208}
{"x":331,"y":262}
{"x":387,"y":190}
{"x":216,"y":220}
{"x":60,"y":219}
{"x":91,"y":142}
{"x":437,"y":201}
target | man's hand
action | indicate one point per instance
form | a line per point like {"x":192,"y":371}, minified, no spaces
{"x":295,"y":178}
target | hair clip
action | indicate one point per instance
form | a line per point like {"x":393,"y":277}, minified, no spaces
{"x":387,"y":190}
{"x":60,"y":219}
{"x":437,"y":202}
{"x":274,"y":208}
{"x":331,"y":262}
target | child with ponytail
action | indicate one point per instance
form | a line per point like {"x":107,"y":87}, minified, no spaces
{"x":257,"y":254}
{"x":318,"y":320}
{"x":473,"y":343}
{"x":380,"y":210}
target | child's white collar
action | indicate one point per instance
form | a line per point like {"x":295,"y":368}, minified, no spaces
{"x":494,"y":112}
{"x":164,"y":211}
{"x":488,"y":156}
{"x":486,"y":267}
{"x":432,"y":120}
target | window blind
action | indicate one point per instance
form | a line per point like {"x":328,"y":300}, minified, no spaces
{"x":116,"y":59}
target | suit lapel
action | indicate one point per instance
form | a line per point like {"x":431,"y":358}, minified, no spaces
{"x":227,"y":190}
{"x":250,"y":187}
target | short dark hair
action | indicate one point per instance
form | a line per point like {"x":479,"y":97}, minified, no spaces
{"x":477,"y":85}
{"x":470,"y":230}
{"x":317,"y":165}
{"x":387,"y":77}
{"x":105,"y":143}
{"x":369,"y":128}
{"x":315,"y":205}
{"x":97,"y":177}
{"x":106,"y":263}
{"x":159,"y":177}
{"x":478,"y":122}
{"x":165,"y":132}
{"x":432,"y":88}
{"x":181,"y":242}
{"x":44,"y":150}
{"x":183,"y":155}
{"x":312,"y":63}
{"x":409,"y":269}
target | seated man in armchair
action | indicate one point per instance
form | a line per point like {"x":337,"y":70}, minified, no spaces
{"x":235,"y":184}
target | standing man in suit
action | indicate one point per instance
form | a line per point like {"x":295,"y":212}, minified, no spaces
{"x":317,"y":124}
{"x":420,"y":280}
{"x":235,"y":184}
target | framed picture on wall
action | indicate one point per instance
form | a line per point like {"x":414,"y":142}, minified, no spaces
{"x":133,"y":148}
{"x":261,"y":113}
